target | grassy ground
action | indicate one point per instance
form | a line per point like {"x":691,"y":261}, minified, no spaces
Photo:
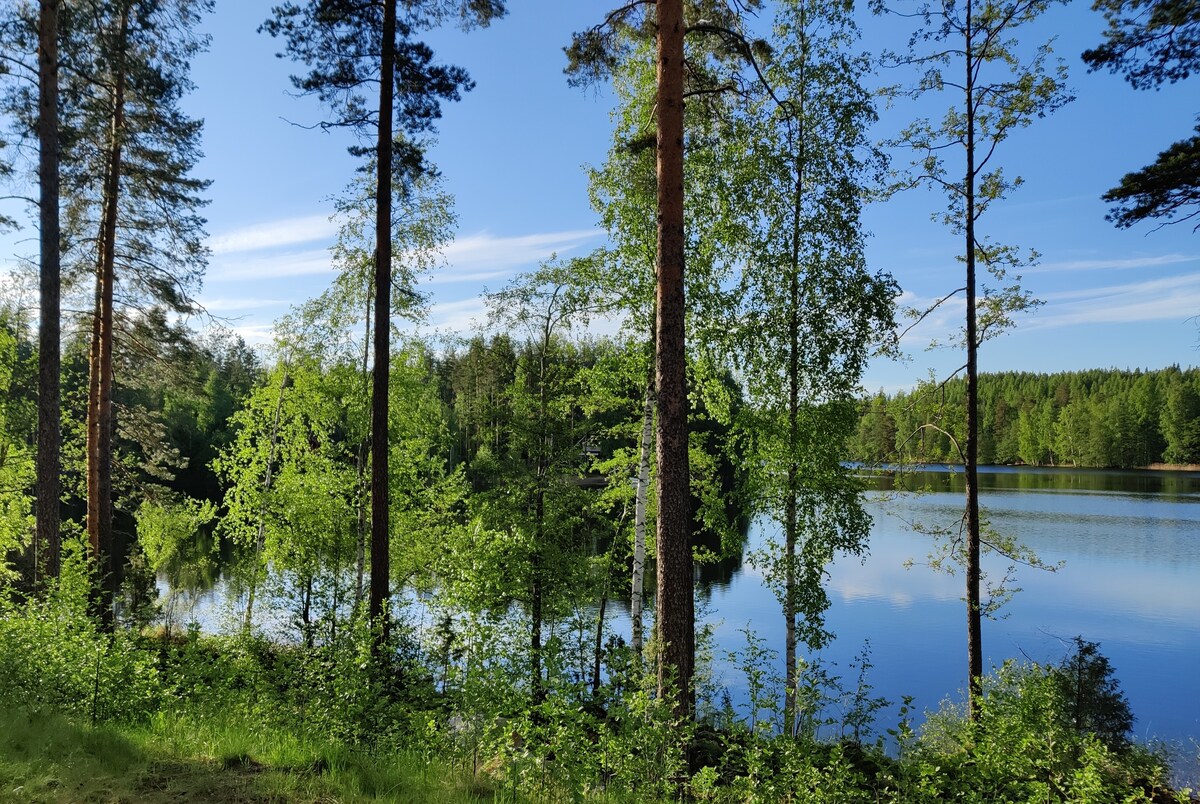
{"x":46,"y":758}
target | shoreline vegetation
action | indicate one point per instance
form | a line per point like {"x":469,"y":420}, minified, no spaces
{"x":1154,"y":467}
{"x":523,"y":475}
{"x":1090,"y":419}
{"x":1171,"y":467}
{"x":154,"y":718}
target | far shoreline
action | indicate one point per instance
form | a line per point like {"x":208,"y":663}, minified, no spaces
{"x":1173,"y":467}
{"x":1154,"y":467}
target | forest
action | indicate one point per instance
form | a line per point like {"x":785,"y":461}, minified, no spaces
{"x":1097,"y":418}
{"x":464,"y":567}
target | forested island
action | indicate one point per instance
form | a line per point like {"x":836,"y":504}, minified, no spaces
{"x":471,"y":565}
{"x":1103,"y":418}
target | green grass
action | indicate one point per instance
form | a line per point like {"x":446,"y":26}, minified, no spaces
{"x":46,"y":758}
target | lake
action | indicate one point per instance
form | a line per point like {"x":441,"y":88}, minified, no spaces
{"x":1131,"y":582}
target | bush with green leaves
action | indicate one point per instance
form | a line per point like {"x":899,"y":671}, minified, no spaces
{"x":53,"y":655}
{"x":1033,"y":741}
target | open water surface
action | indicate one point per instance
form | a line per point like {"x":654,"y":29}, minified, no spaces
{"x":1130,"y":580}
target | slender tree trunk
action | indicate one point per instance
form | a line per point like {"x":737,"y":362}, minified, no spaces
{"x":636,"y":595}
{"x":793,"y":470}
{"x":536,"y":593}
{"x":306,"y":611}
{"x":100,"y":385}
{"x":970,"y":470}
{"x":793,"y":475}
{"x":380,"y":568}
{"x":598,"y":645}
{"x":47,"y":549}
{"x":360,"y":558}
{"x":537,"y":568}
{"x":675,"y":614}
{"x":260,"y":539}
{"x":609,"y":560}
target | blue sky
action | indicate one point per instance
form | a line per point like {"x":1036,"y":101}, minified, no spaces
{"x":512,"y":153}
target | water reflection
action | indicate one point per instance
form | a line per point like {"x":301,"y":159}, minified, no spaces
{"x":1131,"y":581}
{"x":943,"y":477}
{"x":1131,"y":546}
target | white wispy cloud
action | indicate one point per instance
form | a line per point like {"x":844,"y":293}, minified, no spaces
{"x":446,"y":276}
{"x":277,"y":266}
{"x":1173,"y":298}
{"x":1163,"y":298}
{"x":458,"y":316}
{"x":274,"y":234}
{"x":256,"y":336}
{"x":1113,"y":264}
{"x":232,"y":305}
{"x":474,"y":258}
{"x":484,"y":249}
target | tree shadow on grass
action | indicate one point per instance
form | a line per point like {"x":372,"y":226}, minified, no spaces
{"x":45,"y":757}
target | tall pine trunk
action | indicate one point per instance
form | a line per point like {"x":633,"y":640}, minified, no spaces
{"x":47,"y":549}
{"x":380,"y":568}
{"x":674,"y":604}
{"x":970,"y":460}
{"x":100,"y":383}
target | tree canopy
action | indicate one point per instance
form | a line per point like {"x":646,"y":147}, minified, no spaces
{"x":1151,"y":43}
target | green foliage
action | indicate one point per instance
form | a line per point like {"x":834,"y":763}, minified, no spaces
{"x":340,"y":43}
{"x":161,"y":255}
{"x":325,"y":718}
{"x":1081,"y":418}
{"x":1151,"y":43}
{"x":53,"y":656}
{"x":1167,"y":189}
{"x":16,"y":459}
{"x":1028,"y":744}
{"x":1093,"y":702}
{"x":289,"y":480}
{"x":217,"y":756}
{"x":164,"y":530}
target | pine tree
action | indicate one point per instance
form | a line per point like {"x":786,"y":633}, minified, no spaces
{"x":351,"y":48}
{"x":131,"y":204}
{"x":49,"y":435}
{"x":596,"y":54}
{"x":1151,"y":43}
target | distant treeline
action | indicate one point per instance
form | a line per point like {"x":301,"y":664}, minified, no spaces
{"x":1098,"y":417}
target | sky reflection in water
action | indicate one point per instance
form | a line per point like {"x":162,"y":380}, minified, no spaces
{"x":1131,"y":581}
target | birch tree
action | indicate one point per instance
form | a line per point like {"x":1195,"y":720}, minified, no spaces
{"x":809,"y":313}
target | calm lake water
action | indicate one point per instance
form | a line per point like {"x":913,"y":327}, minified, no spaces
{"x":1131,"y":582}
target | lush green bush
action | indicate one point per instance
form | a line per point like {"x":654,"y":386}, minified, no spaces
{"x":52,"y":656}
{"x":1029,"y":743}
{"x":1043,"y":734}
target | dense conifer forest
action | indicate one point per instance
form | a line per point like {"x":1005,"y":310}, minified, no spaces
{"x":1095,"y":418}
